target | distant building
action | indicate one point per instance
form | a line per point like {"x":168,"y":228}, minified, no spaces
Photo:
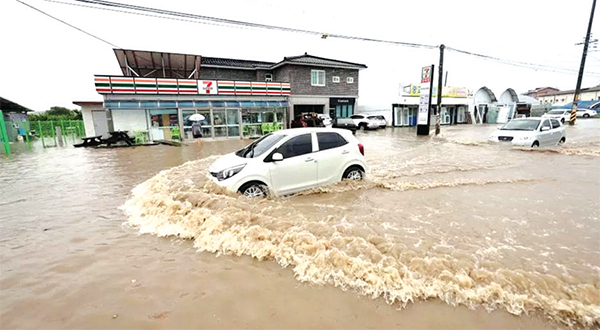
{"x":541,"y":91}
{"x":15,"y":118}
{"x":557,"y":97}
{"x":159,"y":92}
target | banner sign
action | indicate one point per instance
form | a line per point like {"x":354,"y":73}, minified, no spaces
{"x":425,"y":95}
{"x":447,"y":91}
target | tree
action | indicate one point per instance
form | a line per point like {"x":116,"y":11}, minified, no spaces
{"x":56,"y":113}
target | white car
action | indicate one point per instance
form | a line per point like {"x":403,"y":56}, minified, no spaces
{"x":563,"y":115}
{"x":325,"y":118}
{"x":586,"y":113}
{"x":291,"y":160}
{"x":380,"y":120}
{"x":530,"y":132}
{"x":362,"y":122}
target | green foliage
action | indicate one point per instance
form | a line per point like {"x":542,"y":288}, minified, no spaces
{"x":56,"y":113}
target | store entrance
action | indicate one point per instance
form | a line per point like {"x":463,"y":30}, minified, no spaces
{"x":307,"y":108}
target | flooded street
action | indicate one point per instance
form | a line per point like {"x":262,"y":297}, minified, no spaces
{"x":446,"y":232}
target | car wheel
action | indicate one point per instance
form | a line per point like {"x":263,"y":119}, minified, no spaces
{"x":585,"y":115}
{"x":362,"y":126}
{"x":562,"y":140}
{"x":254,"y":190}
{"x":562,"y":121}
{"x":354,"y":173}
{"x":535,"y":144}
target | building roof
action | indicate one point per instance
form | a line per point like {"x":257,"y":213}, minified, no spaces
{"x":172,"y":65}
{"x":307,"y":59}
{"x":229,"y":62}
{"x":144,"y":63}
{"x":9,"y":106}
{"x":572,"y":91}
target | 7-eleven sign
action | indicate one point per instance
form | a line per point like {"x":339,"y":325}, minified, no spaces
{"x":207,"y":87}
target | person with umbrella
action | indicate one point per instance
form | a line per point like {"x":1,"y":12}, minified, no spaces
{"x":196,"y":127}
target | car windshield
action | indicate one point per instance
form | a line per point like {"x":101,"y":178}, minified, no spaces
{"x":556,"y":112}
{"x":521,"y":125}
{"x":259,"y":146}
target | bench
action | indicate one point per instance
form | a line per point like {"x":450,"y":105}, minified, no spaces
{"x":90,"y":141}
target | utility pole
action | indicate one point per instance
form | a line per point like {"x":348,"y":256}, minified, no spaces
{"x":581,"y":67}
{"x":439,"y":91}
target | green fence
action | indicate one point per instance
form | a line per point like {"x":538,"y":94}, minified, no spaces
{"x":71,"y":131}
{"x":4,"y":141}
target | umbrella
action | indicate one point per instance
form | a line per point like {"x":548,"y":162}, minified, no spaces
{"x":196,"y":117}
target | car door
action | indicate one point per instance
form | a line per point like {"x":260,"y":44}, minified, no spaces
{"x":333,"y":150}
{"x":298,"y":169}
{"x":545,"y":137}
{"x":557,"y":131}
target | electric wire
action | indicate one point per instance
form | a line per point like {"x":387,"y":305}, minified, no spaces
{"x":70,"y":25}
{"x":250,"y":24}
{"x":201,"y":19}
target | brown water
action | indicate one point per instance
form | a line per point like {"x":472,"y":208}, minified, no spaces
{"x":446,"y":232}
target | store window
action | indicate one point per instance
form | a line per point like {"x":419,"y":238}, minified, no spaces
{"x":164,"y":124}
{"x":203,"y":121}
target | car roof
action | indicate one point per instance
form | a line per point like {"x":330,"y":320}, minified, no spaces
{"x":305,"y":130}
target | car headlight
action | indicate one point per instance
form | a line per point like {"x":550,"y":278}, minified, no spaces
{"x":229,"y":172}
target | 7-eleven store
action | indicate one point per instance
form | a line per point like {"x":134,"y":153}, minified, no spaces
{"x":161,"y":107}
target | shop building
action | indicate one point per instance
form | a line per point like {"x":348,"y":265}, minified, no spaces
{"x":455,"y":106}
{"x":159,"y":92}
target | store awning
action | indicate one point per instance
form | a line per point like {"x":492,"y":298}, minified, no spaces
{"x":111,"y":104}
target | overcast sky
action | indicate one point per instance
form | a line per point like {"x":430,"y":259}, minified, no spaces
{"x":46,"y":63}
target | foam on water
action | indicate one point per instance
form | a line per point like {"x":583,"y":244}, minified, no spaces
{"x":347,"y":252}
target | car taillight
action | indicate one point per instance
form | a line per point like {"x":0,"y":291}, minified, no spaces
{"x":361,"y":148}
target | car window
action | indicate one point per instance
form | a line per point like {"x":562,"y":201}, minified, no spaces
{"x":296,"y":146}
{"x":330,"y":140}
{"x":555,"y":123}
{"x":545,"y":123}
{"x":259,"y":146}
{"x":344,"y":121}
{"x":357,"y":117}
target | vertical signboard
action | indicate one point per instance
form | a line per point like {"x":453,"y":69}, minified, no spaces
{"x":425,"y":100}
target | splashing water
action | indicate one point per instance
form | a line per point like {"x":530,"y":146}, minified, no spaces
{"x":351,"y":248}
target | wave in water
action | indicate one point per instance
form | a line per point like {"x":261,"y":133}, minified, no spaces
{"x":332,"y":250}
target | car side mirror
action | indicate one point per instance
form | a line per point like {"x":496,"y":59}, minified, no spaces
{"x":277,"y":157}
{"x":545,"y":128}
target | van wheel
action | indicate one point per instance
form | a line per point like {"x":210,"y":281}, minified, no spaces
{"x":254,"y":190}
{"x":354,"y":173}
{"x":535,"y":144}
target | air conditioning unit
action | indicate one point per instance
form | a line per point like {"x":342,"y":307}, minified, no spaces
{"x":268,"y":77}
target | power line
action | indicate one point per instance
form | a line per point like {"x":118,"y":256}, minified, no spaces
{"x":519,"y":63}
{"x":249,"y":24}
{"x":89,"y":34}
{"x":164,"y":14}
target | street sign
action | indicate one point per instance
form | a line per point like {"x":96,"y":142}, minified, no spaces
{"x":425,"y":100}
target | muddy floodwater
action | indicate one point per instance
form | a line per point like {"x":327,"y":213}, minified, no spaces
{"x":446,"y":232}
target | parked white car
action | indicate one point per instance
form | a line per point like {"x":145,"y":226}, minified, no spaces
{"x":530,"y":132}
{"x":291,"y":160}
{"x":362,"y":122}
{"x":563,"y":115}
{"x":325,"y":118}
{"x":379,"y":119}
{"x":586,"y":113}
